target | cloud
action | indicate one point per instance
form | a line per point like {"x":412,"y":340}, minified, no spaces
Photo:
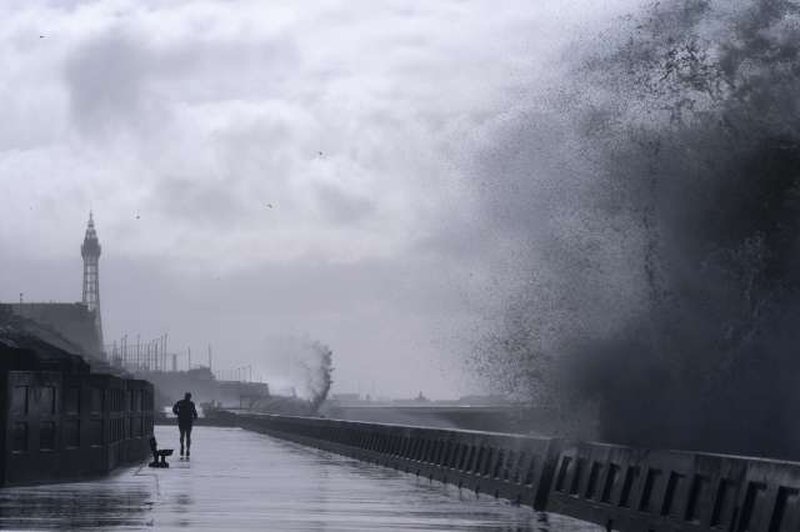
{"x":198,"y":202}
{"x":105,"y":77}
{"x":180,"y":123}
{"x":342,"y":207}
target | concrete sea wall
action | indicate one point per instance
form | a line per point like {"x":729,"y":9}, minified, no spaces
{"x":621,"y":488}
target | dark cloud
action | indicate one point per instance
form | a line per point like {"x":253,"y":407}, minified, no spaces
{"x":107,"y":81}
{"x":202,"y":201}
{"x":341,"y":207}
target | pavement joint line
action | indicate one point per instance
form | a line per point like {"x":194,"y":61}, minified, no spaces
{"x":158,"y":485}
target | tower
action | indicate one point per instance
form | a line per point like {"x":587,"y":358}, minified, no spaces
{"x":90,"y":251}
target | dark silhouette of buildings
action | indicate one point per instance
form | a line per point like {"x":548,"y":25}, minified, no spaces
{"x":70,"y":326}
{"x":65,"y":414}
{"x":90,"y":251}
{"x":74,"y":327}
{"x":60,"y":420}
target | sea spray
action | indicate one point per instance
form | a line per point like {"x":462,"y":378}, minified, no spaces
{"x":301,"y":369}
{"x":663,"y":284}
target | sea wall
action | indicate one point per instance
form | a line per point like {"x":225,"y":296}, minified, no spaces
{"x":618,"y":487}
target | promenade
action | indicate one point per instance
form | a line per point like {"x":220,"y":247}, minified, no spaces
{"x":240,"y":480}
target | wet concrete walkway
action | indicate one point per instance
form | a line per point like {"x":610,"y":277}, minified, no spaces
{"x":239,"y":480}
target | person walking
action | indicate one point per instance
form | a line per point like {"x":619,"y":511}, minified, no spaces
{"x":186,"y":413}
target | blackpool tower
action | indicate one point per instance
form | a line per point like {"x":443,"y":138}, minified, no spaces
{"x":90,"y":251}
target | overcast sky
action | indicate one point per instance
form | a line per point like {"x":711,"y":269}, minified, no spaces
{"x":258,"y":169}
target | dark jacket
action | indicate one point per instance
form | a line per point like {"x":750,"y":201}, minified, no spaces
{"x":185,"y":411}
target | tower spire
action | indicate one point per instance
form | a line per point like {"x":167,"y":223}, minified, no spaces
{"x":90,"y":251}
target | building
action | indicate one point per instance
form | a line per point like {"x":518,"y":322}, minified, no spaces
{"x":61,"y":421}
{"x":73,"y":327}
{"x":90,"y":251}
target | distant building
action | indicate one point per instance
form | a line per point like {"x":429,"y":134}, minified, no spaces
{"x":346,"y":399}
{"x":74,"y":327}
{"x":90,"y":251}
{"x":204,"y":387}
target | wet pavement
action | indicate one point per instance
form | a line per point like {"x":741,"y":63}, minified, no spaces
{"x":240,"y":480}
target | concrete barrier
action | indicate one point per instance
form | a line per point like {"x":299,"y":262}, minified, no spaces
{"x":631,"y":489}
{"x":518,"y":468}
{"x":621,"y":488}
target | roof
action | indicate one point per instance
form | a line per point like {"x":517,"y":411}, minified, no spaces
{"x":69,"y":326}
{"x":22,"y":348}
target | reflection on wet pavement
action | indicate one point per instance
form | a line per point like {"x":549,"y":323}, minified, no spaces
{"x":242,"y":480}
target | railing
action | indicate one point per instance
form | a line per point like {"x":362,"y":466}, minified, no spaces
{"x":621,"y":488}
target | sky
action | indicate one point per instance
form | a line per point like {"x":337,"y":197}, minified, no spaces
{"x":262,"y":169}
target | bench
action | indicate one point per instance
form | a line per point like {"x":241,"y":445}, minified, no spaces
{"x":159,"y":455}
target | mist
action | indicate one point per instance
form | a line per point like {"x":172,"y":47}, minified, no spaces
{"x":298,"y":367}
